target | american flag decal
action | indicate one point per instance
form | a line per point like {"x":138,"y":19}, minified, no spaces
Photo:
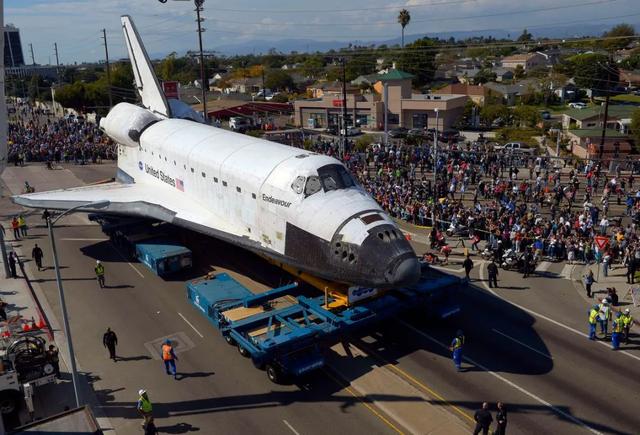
{"x":180,"y":184}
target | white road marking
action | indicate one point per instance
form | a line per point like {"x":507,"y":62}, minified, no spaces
{"x":84,"y":240}
{"x":128,"y":262}
{"x":543,"y":266}
{"x":523,"y":344}
{"x":507,"y":381}
{"x":548,"y":319}
{"x":291,"y":427}
{"x":192,"y":327}
{"x":567,"y":270}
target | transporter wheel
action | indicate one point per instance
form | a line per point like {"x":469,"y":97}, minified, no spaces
{"x":274,"y":374}
{"x":229,"y":340}
{"x":244,"y":352}
{"x":10,"y":402}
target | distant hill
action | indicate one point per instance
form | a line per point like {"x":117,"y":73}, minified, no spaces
{"x":311,"y":45}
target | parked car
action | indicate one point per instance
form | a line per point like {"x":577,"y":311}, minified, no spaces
{"x":578,"y":105}
{"x":398,"y":133}
{"x":515,"y":147}
{"x":416,"y":132}
{"x":449,"y":135}
{"x":351,"y":131}
{"x":332,"y":129}
{"x":239,"y":124}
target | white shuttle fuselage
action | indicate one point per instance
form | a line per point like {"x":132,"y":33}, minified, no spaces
{"x":299,"y":207}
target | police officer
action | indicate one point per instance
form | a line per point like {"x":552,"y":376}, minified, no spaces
{"x":617,"y":331}
{"x":456,"y":348}
{"x":468,"y":265}
{"x":593,"y":319}
{"x":110,"y":340}
{"x":492,"y":268}
{"x":12,"y":264}
{"x":99,"y":269}
{"x":627,"y":323}
{"x":37,"y":254}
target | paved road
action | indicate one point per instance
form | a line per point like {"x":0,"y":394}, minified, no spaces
{"x":536,"y":360}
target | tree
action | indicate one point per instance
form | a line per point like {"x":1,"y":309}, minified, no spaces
{"x":491,"y":112}
{"x":403,"y":18}
{"x":419,"y":60}
{"x":518,"y":73}
{"x":525,"y":36}
{"x":483,"y":76}
{"x":167,"y":67}
{"x":312,"y":67}
{"x":526,"y":116}
{"x":593,"y":71}
{"x":619,"y":36}
{"x":635,"y":126}
{"x":278,"y":80}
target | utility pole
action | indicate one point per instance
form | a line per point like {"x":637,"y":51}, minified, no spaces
{"x":344,"y":110}
{"x":33,"y":59}
{"x":55,"y":47}
{"x":606,"y":109}
{"x":108,"y":69}
{"x":203,"y":77}
{"x":264,"y":92}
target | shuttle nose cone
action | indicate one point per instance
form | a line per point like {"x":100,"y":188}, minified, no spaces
{"x":407,"y":272}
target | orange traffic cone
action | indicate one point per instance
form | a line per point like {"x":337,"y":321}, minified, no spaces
{"x":407,"y":236}
{"x":41,"y":324}
{"x":26,"y":327}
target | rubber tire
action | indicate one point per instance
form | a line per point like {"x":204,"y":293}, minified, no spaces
{"x":10,"y":402}
{"x":274,"y":374}
{"x":229,"y":340}
{"x":245,"y":353}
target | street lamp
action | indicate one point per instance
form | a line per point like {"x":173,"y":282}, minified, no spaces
{"x":435,"y":168}
{"x":199,"y":8}
{"x":63,"y":305}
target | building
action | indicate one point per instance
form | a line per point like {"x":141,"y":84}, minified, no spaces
{"x":527,"y":61}
{"x":404,"y":108}
{"x":502,"y":74}
{"x":13,"y":56}
{"x":475,"y":92}
{"x":509,"y":94}
{"x":45,"y":71}
{"x":585,"y":143}
{"x":321,"y":89}
{"x":618,"y":118}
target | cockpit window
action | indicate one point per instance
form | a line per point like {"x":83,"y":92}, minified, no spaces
{"x":313,"y":185}
{"x":335,"y":177}
{"x":298,"y":185}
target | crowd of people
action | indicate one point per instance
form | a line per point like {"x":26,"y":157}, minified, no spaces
{"x":519,"y":202}
{"x":35,"y":134}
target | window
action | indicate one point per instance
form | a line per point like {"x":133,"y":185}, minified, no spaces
{"x":224,"y":183}
{"x":204,"y":175}
{"x":419,"y":120}
{"x":185,"y":166}
{"x":335,"y":177}
{"x":298,"y":185}
{"x":313,"y":185}
{"x":253,"y":195}
{"x":215,"y":179}
{"x":174,"y":163}
{"x":192,"y":171}
{"x":238,"y":189}
{"x":165,"y":158}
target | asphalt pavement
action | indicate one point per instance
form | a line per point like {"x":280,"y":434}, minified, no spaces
{"x":526,"y":346}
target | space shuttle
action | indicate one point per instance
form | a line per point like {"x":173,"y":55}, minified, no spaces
{"x":294,"y":206}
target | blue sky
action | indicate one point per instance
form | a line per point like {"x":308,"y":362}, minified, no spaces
{"x":76,"y":24}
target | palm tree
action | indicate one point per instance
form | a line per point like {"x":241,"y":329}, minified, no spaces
{"x":403,"y":18}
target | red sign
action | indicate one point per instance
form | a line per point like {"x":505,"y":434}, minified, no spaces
{"x":601,"y":241}
{"x":171,"y":90}
{"x":337,"y":103}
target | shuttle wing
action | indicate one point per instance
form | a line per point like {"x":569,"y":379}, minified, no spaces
{"x":146,"y":81}
{"x":132,"y":200}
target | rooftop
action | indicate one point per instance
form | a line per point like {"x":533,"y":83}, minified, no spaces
{"x":596,"y":132}
{"x":615,"y":111}
{"x":395,"y":74}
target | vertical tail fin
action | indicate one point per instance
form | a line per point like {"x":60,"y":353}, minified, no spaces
{"x":146,"y":81}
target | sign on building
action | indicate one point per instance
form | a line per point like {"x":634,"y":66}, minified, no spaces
{"x":171,"y":89}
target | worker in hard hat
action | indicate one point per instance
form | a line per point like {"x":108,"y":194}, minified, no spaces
{"x":144,"y":407}
{"x":627,"y":323}
{"x":456,"y":348}
{"x":99,"y":269}
{"x":604,"y":315}
{"x":169,"y":358}
{"x":617,"y":327}
{"x":593,"y":319}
